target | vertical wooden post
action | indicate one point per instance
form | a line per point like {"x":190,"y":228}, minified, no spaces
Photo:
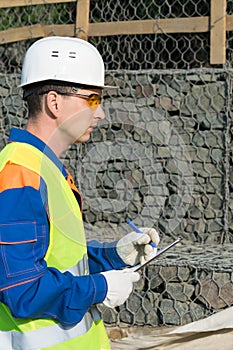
{"x":82,"y":19}
{"x":218,"y":32}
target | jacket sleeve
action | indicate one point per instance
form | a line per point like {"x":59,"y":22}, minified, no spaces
{"x":103,"y":256}
{"x":28,"y":286}
{"x":56,"y":295}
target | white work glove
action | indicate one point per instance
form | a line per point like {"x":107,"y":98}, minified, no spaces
{"x":134,"y":248}
{"x":120,"y":285}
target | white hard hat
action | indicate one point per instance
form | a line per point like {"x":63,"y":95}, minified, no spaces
{"x":65,"y":59}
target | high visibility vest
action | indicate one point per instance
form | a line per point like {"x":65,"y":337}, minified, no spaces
{"x":66,"y":230}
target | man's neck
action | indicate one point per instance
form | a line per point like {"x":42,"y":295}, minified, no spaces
{"x":49,"y":135}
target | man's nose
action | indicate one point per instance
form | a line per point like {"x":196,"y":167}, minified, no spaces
{"x":99,"y":113}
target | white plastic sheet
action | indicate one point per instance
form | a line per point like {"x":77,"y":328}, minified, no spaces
{"x":212,"y":333}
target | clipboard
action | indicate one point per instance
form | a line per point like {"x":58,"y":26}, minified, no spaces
{"x":160,"y":252}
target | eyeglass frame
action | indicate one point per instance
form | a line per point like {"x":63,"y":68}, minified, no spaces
{"x":84,"y":96}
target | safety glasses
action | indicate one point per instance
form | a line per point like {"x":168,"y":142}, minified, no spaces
{"x":93,"y":100}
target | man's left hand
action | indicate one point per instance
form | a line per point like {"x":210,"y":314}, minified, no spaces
{"x":135,"y":248}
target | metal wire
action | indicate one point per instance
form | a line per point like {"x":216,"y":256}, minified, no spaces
{"x":161,"y":157}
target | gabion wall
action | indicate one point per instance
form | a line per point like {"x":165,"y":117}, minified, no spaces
{"x":188,"y":284}
{"x":162,"y":157}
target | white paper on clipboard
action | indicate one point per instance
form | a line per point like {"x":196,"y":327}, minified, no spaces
{"x":160,"y":252}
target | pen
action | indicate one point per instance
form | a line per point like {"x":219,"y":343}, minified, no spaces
{"x":136,"y":229}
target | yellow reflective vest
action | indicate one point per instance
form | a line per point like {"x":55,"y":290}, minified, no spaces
{"x":65,"y":222}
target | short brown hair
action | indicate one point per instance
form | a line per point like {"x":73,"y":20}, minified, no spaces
{"x":34,"y":92}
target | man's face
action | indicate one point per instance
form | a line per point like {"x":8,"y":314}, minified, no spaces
{"x":80,"y":114}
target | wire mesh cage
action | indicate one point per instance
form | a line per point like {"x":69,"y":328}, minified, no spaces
{"x":162,"y":156}
{"x":152,"y":51}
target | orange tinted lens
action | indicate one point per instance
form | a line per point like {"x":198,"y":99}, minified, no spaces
{"x":94,"y":100}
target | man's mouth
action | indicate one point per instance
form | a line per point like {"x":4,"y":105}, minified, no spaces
{"x":92,"y":127}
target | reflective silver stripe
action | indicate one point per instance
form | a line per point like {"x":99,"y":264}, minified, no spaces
{"x":47,"y":336}
{"x":5,"y":342}
{"x":81,"y":268}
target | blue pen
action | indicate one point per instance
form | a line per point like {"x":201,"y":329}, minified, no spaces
{"x":136,"y":229}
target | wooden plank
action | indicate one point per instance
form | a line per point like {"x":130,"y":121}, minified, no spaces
{"x":82,"y":19}
{"x":218,"y":32}
{"x":179,"y":25}
{"x":172,"y":25}
{"x":59,"y":29}
{"x":195,"y":24}
{"x":229,"y":23}
{"x":23,"y":33}
{"x":14,"y":3}
{"x":35,"y":31}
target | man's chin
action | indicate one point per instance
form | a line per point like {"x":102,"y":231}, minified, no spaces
{"x":83,"y":138}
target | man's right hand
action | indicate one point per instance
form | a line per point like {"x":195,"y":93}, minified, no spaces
{"x":120,"y":285}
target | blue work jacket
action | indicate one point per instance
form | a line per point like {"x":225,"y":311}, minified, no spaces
{"x":29,"y":287}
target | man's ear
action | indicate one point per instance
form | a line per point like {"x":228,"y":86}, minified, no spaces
{"x":52,"y":102}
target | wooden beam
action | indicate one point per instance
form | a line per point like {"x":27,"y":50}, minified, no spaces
{"x":229,"y":23}
{"x":23,"y":33}
{"x":14,"y":3}
{"x":59,"y":29}
{"x":172,"y":25}
{"x":82,"y":19}
{"x":35,"y":31}
{"x":218,"y":32}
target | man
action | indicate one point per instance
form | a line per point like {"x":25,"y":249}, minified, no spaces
{"x":50,"y":279}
